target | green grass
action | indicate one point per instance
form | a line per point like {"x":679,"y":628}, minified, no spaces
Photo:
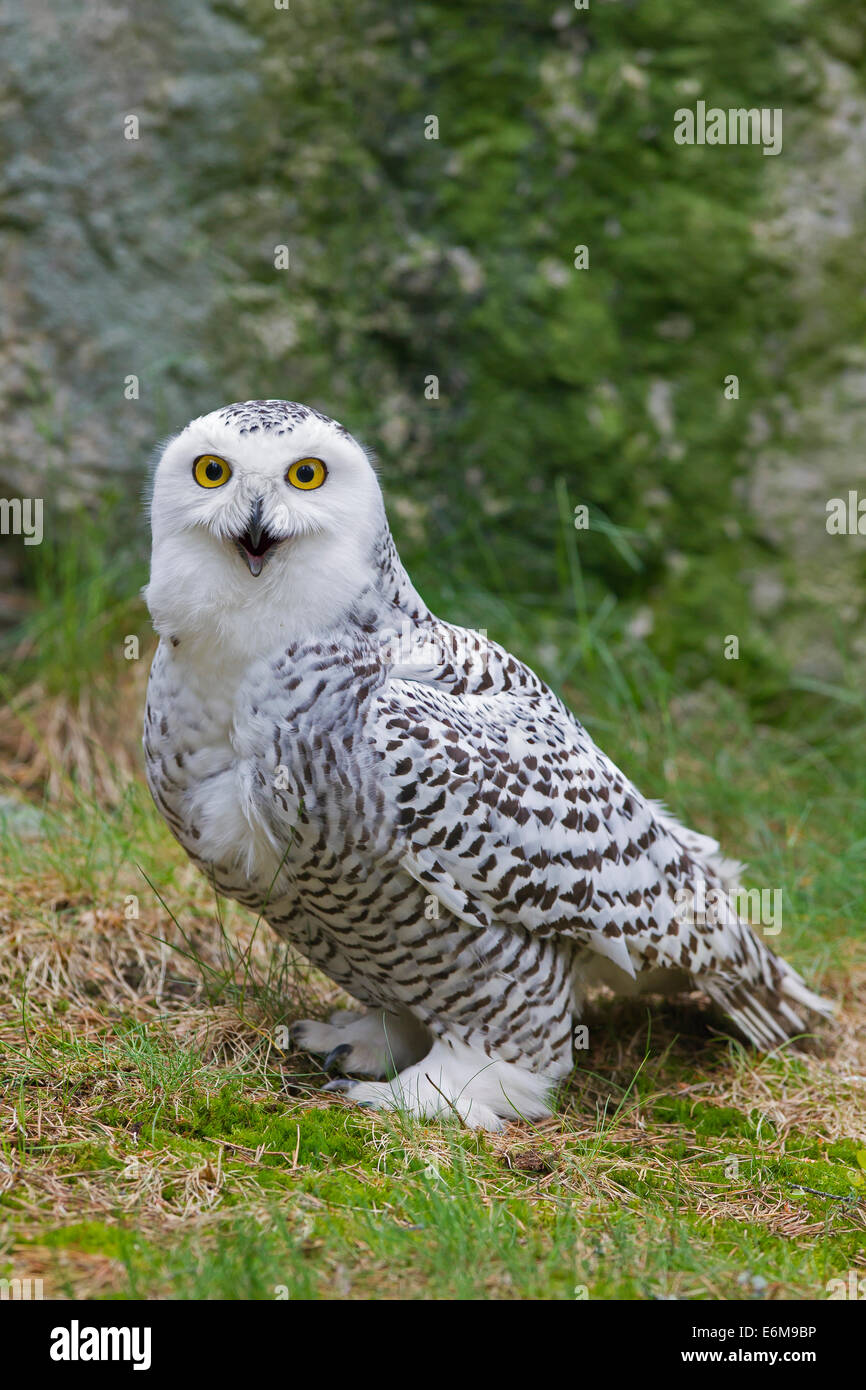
{"x":341,"y":1203}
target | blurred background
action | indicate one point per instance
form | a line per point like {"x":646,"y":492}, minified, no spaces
{"x":152,"y":260}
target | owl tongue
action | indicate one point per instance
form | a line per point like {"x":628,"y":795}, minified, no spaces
{"x":255,"y":551}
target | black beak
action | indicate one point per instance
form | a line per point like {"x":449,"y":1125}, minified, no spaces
{"x":256,"y":540}
{"x":254,"y":526}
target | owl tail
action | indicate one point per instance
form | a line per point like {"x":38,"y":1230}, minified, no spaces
{"x":766,"y":1000}
{"x":767,"y":1013}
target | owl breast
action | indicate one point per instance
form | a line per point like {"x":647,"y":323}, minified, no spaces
{"x":264,"y":777}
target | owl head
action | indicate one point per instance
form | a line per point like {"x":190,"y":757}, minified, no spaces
{"x":262,"y":513}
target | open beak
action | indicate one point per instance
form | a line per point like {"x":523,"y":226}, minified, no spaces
{"x":256,"y":541}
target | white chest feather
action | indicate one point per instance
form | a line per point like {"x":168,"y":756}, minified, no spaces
{"x":208,"y":757}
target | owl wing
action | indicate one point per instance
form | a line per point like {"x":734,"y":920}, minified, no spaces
{"x":510,"y":813}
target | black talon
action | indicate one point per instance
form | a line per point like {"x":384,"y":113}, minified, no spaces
{"x":335,"y":1054}
{"x":341,"y":1084}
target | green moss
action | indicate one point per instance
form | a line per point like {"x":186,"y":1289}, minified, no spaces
{"x":846,"y":1151}
{"x":93,"y":1157}
{"x":702,"y":1117}
{"x":832,"y":1178}
{"x":93,"y":1237}
{"x":321,"y":1137}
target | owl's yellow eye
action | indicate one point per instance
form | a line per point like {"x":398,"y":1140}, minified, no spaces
{"x":210,"y":471}
{"x":307,"y":474}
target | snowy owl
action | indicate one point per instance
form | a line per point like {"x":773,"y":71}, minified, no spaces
{"x":401,"y":799}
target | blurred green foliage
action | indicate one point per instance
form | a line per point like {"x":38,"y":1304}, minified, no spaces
{"x":453,"y":258}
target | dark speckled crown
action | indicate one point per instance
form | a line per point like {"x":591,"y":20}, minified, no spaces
{"x":275,"y":417}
